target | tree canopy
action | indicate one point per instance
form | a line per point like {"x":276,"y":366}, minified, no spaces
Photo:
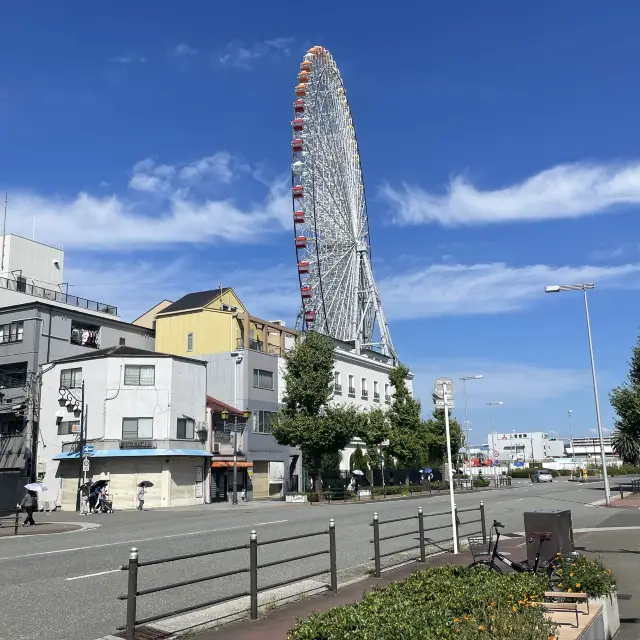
{"x":625,"y":400}
{"x":436,"y":438}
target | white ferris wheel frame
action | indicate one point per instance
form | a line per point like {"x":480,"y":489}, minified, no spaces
{"x":331,"y":226}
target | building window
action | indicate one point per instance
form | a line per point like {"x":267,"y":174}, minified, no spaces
{"x":352,"y":388}
{"x":11,"y":332}
{"x":186,"y":428}
{"x":337,"y":385}
{"x":387,"y":396}
{"x":262,"y":421}
{"x":365,"y":392}
{"x":122,"y":342}
{"x":137,"y":428}
{"x":69,"y":428}
{"x":10,"y":428}
{"x":376,"y":391}
{"x":71,"y":378}
{"x":13,"y":376}
{"x":138,"y":375}
{"x":189,"y":341}
{"x":263,"y":379}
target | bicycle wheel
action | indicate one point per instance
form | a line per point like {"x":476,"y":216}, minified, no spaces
{"x":553,"y":577}
{"x":487,"y":565}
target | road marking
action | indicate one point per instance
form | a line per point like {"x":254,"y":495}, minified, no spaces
{"x":115,"y":544}
{"x":93,"y":575}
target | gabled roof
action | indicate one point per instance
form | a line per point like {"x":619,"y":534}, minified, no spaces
{"x":217,"y":406}
{"x":196,"y":300}
{"x":122,"y":351}
{"x":163,"y":303}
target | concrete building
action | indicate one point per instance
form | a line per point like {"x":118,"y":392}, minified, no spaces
{"x":243,"y":356}
{"x":145,"y":419}
{"x":530,"y":446}
{"x":39,"y":323}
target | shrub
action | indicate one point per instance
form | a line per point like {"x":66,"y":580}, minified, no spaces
{"x":520,"y":473}
{"x":480,"y":482}
{"x":440,"y":603}
{"x":577,"y":573}
{"x":625,"y":469}
{"x":394,"y":490}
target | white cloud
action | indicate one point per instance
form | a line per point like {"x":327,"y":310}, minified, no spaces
{"x":565,"y":191}
{"x":129,"y":58}
{"x":183,"y":49}
{"x":513,"y":383}
{"x":455,"y":289}
{"x":242,"y":56}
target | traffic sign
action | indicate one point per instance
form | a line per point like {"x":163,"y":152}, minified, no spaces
{"x":519,"y":465}
{"x":440,"y":403}
{"x":87,"y":449}
{"x":85,"y":464}
{"x":439,"y":387}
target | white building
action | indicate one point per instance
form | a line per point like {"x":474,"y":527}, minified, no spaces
{"x":145,"y":418}
{"x":529,"y":446}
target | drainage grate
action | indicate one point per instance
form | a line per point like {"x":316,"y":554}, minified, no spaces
{"x":146,"y":633}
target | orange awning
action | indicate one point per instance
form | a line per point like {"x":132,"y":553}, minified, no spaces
{"x":229,"y":464}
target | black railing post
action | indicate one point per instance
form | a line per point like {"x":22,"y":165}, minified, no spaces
{"x":621,"y":491}
{"x":483,"y":523}
{"x":15,"y":524}
{"x":423,"y":551}
{"x":456,"y":533}
{"x":332,"y":556}
{"x":253,"y":574}
{"x":376,"y":545}
{"x":132,"y":592}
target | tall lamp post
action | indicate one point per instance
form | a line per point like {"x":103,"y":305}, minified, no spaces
{"x":493,"y":444}
{"x":466,"y":414}
{"x":235,"y":427}
{"x":573,"y":449}
{"x":558,"y":288}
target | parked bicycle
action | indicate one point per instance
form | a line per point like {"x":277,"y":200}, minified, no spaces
{"x":488,"y":555}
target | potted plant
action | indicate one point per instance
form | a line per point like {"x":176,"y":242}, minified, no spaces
{"x":579,"y":574}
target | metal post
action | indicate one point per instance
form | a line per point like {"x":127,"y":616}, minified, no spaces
{"x":332,"y":556}
{"x":603,"y":458}
{"x":466,"y":423}
{"x":451,"y":497}
{"x":132,"y":593}
{"x":83,"y":442}
{"x":483,"y":523}
{"x":423,"y":552}
{"x":456,"y":530}
{"x":376,"y":545}
{"x":234,"y":499}
{"x":253,"y":574}
{"x":15,"y":525}
{"x":621,"y":492}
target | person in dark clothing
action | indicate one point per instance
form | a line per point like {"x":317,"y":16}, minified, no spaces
{"x":28,"y":504}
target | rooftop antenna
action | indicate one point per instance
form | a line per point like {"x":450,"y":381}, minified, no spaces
{"x":4,"y":232}
{"x":220,"y":285}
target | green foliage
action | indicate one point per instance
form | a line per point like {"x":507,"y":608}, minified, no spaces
{"x":307,"y":421}
{"x":374,"y":429}
{"x":623,"y":470}
{"x":436,"y":438}
{"x":406,"y":442}
{"x":479,"y":482}
{"x":579,"y":574}
{"x":440,"y":603}
{"x":359,"y":460}
{"x":625,"y":400}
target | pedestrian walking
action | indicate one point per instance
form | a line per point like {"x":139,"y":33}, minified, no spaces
{"x":28,"y":504}
{"x":141,"y":492}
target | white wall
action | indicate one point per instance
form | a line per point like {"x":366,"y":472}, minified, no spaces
{"x":35,"y":260}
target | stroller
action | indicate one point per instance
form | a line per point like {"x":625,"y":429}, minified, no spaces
{"x":104,"y":506}
{"x":98,"y":502}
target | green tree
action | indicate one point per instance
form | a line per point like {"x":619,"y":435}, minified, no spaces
{"x":406,"y":441}
{"x":307,"y":421}
{"x":435,"y":435}
{"x":625,"y":400}
{"x":359,"y":460}
{"x":374,"y":431}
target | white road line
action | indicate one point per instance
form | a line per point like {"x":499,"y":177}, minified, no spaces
{"x":115,"y":544}
{"x":93,"y":575}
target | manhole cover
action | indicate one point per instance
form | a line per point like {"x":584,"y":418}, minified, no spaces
{"x":146,"y":633}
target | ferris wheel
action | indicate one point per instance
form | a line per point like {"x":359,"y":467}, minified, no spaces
{"x":331,"y":227}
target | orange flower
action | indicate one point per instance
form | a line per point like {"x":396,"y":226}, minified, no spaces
{"x":481,"y":628}
{"x":515,"y":608}
{"x":577,"y":585}
{"x":569,"y":590}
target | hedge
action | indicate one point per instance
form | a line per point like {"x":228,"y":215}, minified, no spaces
{"x":439,"y":603}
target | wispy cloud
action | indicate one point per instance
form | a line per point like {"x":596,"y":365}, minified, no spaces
{"x":129,"y":58}
{"x":183,"y":49}
{"x":455,"y":289}
{"x":173,"y":206}
{"x":565,"y":191}
{"x":242,"y":56}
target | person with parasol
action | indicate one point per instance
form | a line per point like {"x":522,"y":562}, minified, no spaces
{"x":30,"y":502}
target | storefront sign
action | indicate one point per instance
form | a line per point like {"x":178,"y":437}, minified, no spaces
{"x":137,"y":444}
{"x":229,"y":464}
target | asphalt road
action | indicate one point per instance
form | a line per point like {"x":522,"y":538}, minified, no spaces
{"x":65,"y":587}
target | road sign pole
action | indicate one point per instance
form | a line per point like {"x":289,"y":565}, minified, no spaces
{"x":451,"y":496}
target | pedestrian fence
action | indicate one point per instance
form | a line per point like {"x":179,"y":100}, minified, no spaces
{"x":502,"y":481}
{"x":633,"y":486}
{"x":252,"y":568}
{"x":418,"y":530}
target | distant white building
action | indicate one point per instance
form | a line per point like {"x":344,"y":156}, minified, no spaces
{"x":525,"y":446}
{"x":145,"y":416}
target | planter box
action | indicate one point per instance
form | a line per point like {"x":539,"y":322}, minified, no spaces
{"x":610,"y":614}
{"x":296,"y":498}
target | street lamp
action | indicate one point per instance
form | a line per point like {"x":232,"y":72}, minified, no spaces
{"x":235,"y":428}
{"x":74,"y":404}
{"x":558,"y":288}
{"x":493,"y":445}
{"x":573,"y":449}
{"x":466,"y":415}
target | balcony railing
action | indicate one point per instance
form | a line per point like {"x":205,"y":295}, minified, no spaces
{"x":352,"y":391}
{"x":387,"y":398}
{"x":337,"y":388}
{"x":376,"y":396}
{"x":365,"y":393}
{"x":259,"y":346}
{"x":13,"y":380}
{"x":57,"y":296}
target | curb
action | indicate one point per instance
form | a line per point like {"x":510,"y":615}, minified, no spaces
{"x":82,"y":526}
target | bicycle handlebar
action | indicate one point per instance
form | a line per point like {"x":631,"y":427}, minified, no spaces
{"x":498,"y":525}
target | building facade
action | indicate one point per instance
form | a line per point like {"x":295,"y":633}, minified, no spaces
{"x":529,"y":446}
{"x":144,"y":417}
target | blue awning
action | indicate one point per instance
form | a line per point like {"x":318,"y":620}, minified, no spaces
{"x":135,"y":453}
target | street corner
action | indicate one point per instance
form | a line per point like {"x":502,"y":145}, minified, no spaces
{"x":9,"y":530}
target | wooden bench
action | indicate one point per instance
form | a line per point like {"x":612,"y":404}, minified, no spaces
{"x":571,"y":607}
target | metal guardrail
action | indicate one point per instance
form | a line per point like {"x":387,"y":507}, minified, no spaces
{"x":134,"y":564}
{"x":419,"y":532}
{"x":633,"y":486}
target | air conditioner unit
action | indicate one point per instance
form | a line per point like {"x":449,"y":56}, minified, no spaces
{"x":216,"y":447}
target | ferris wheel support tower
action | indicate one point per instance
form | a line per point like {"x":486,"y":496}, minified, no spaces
{"x":331,"y":226}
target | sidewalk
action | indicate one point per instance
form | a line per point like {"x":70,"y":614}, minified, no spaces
{"x":628,"y":502}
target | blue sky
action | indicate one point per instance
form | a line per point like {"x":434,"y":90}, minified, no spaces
{"x":500,"y":150}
